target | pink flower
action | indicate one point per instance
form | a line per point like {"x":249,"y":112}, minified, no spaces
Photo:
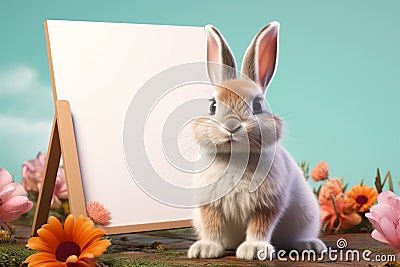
{"x":13,"y":200}
{"x":320,"y":172}
{"x":60,"y":188}
{"x":385,"y":217}
{"x":98,"y":213}
{"x":32,"y":173}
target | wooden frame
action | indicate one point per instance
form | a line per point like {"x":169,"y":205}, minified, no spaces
{"x":63,"y":143}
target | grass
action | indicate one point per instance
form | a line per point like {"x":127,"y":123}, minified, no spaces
{"x":115,"y":261}
{"x":12,"y":255}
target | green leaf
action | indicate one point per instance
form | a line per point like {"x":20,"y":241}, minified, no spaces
{"x":319,"y":189}
{"x":325,"y":226}
{"x":334,"y":205}
{"x":345,"y":187}
{"x":13,"y":175}
{"x":384,"y":181}
{"x":378,"y":183}
{"x":305,"y":168}
{"x":389,"y":176}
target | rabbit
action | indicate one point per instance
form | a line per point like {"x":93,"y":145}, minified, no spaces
{"x":281,"y":212}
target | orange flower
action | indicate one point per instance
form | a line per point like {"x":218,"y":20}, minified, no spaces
{"x":345,"y":217}
{"x":79,"y":243}
{"x":331,"y":186}
{"x":98,"y":213}
{"x":364,"y":197}
{"x":320,"y":172}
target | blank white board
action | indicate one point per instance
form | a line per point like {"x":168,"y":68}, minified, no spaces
{"x":98,"y":67}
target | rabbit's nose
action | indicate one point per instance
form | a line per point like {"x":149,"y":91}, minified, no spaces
{"x":232,"y":124}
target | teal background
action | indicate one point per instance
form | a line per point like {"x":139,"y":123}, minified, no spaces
{"x":337,"y":83}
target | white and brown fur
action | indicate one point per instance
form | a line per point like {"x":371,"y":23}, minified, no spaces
{"x":283,"y":211}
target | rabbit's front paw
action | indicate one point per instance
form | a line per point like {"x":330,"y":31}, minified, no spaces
{"x":206,"y":249}
{"x":311,"y":244}
{"x":250,"y":250}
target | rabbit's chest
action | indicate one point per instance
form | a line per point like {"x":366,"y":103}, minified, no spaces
{"x":238,"y":204}
{"x":235,"y":200}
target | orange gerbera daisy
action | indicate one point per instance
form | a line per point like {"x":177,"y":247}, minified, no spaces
{"x":79,"y":243}
{"x":364,"y":197}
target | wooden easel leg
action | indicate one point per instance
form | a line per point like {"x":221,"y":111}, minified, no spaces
{"x":63,"y":142}
{"x":48,"y":181}
{"x":72,"y":170}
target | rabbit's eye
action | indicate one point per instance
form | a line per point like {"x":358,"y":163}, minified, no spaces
{"x":213,"y":106}
{"x":257,"y":106}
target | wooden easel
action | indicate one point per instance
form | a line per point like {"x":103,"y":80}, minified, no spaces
{"x":62,"y":142}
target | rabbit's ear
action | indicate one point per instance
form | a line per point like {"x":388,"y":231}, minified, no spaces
{"x":218,"y":55}
{"x":261,"y":58}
